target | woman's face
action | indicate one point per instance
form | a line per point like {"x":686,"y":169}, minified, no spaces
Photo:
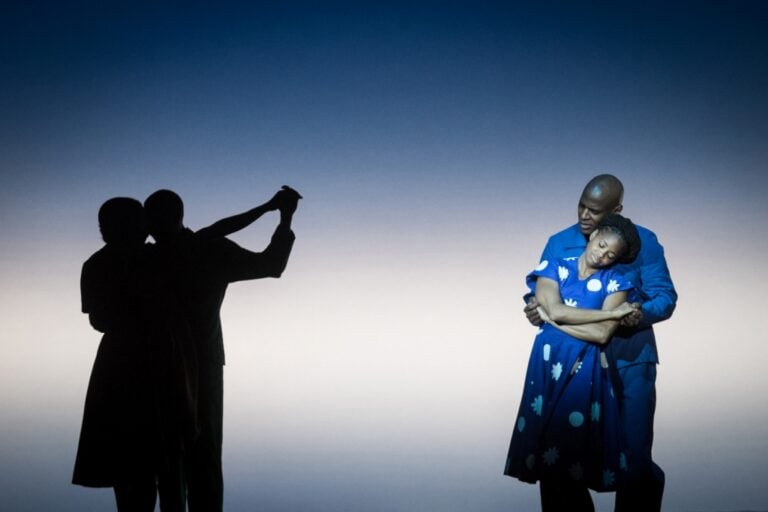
{"x":603,"y":249}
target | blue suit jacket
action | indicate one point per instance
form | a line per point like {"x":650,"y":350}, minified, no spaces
{"x":653,"y":289}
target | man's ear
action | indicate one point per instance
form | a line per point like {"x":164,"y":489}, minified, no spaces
{"x":618,"y":208}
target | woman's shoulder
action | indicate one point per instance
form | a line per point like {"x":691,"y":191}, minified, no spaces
{"x":558,"y":269}
{"x":554,"y":263}
{"x":567,"y":267}
{"x":614,"y":280}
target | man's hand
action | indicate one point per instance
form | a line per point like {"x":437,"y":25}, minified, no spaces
{"x":634,"y":318}
{"x":531,"y":311}
{"x":290,"y":200}
{"x":286,"y":200}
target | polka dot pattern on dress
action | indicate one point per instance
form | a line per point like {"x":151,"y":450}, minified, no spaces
{"x":594,"y":285}
{"x":576,"y":419}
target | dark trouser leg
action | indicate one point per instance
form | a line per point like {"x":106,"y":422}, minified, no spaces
{"x":559,"y":496}
{"x":644,"y":484}
{"x":205,"y":492}
{"x":171,"y":486}
{"x":137,"y":494}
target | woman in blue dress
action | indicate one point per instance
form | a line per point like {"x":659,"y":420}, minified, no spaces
{"x":567,"y":432}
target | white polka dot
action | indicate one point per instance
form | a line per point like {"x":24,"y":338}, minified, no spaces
{"x":547,"y":349}
{"x":520,"y":424}
{"x":594,"y":285}
{"x":542,"y":265}
{"x":576,"y":419}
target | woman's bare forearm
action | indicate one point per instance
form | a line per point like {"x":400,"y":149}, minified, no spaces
{"x":598,"y":332}
{"x":570,"y":315}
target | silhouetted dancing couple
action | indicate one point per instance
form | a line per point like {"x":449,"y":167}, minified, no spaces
{"x":152,"y":424}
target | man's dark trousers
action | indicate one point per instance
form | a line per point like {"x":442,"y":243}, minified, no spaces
{"x":205,"y":481}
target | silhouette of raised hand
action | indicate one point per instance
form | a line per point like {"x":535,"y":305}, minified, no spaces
{"x":287,"y":199}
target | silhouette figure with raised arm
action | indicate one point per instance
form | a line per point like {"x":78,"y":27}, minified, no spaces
{"x":140,"y":413}
{"x":198,"y":267}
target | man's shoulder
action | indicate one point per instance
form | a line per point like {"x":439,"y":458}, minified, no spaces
{"x":214,"y":247}
{"x":570,"y":233}
{"x":651,"y":251}
{"x":644,"y":232}
{"x":567,"y":242}
{"x":649,"y":242}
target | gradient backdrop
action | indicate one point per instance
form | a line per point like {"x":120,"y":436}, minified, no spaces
{"x":437,"y":145}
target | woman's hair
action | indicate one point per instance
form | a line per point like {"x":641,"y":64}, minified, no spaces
{"x":121,"y":220}
{"x":626,"y":230}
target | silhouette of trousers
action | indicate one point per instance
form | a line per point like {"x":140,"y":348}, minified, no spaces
{"x":644,"y":484}
{"x":170,"y":487}
{"x":137,"y":494}
{"x":205,"y":482}
{"x":557,"y":496}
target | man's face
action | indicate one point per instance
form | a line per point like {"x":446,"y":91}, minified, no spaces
{"x":591,"y":211}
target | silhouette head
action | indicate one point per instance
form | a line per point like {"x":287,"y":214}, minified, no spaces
{"x":615,"y":240}
{"x":121,"y":222}
{"x":603,"y":194}
{"x":165,"y":214}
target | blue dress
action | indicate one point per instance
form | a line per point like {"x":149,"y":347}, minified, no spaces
{"x":568,"y":423}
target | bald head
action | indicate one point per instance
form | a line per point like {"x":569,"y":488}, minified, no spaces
{"x":603,"y":194}
{"x":605,"y":188}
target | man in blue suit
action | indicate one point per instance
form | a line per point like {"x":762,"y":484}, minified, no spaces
{"x":632,"y":351}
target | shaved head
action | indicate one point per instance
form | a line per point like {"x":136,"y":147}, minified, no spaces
{"x":605,"y":188}
{"x":603,"y":194}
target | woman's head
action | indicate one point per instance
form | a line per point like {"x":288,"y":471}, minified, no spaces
{"x":121,"y":221}
{"x":615,"y":240}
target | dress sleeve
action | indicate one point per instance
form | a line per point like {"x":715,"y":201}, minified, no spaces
{"x":615,"y":281}
{"x":546,"y":255}
{"x":546,"y":268}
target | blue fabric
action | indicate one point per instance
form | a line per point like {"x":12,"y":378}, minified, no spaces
{"x":653,"y":289}
{"x":644,"y":486}
{"x":567,"y":427}
{"x":634,"y":354}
